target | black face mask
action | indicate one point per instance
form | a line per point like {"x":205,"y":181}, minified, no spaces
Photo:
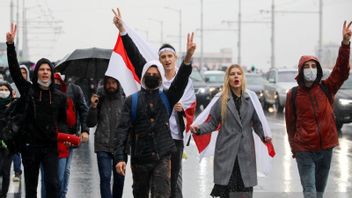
{"x":151,"y":82}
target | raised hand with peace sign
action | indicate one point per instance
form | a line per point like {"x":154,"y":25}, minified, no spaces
{"x":118,"y":20}
{"x":10,"y":36}
{"x":191,"y":47}
{"x":346,"y":33}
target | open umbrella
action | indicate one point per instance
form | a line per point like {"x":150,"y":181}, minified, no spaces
{"x":85,"y":63}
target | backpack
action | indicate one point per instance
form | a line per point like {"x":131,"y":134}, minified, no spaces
{"x":322,"y":86}
{"x":135,"y":96}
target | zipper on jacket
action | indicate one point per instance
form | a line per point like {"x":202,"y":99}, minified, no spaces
{"x":315,"y":116}
{"x":321,"y":140}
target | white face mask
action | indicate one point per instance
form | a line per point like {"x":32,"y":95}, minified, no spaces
{"x":310,"y":74}
{"x":43,"y":84}
{"x":4,"y":94}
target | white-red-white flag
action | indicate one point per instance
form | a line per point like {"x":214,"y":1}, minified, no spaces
{"x":264,"y":152}
{"x":121,"y":68}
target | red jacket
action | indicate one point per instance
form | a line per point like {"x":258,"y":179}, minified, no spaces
{"x":314,"y":126}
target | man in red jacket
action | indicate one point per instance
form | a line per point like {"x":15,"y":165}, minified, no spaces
{"x":310,"y":121}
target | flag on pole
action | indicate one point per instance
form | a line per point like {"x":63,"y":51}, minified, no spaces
{"x":264,"y":152}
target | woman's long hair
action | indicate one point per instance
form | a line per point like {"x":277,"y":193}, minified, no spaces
{"x":227,"y":88}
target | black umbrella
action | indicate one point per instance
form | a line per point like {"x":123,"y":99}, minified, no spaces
{"x":85,"y":63}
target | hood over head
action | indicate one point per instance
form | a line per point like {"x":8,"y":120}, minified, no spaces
{"x":27,"y":71}
{"x":156,"y":64}
{"x":5,"y":83}
{"x":36,"y":69}
{"x":300,"y":76}
{"x":60,"y":77}
{"x":110,"y":77}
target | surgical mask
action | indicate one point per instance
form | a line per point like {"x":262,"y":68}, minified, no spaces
{"x":310,"y":74}
{"x":44,"y":85}
{"x":4,"y":94}
{"x":151,"y":82}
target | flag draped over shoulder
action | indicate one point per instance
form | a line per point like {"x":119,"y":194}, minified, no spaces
{"x":120,"y":66}
{"x":264,"y":152}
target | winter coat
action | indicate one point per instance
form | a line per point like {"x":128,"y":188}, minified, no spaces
{"x":235,"y":140}
{"x":46,"y":109}
{"x":150,"y":136}
{"x":107,"y":117}
{"x":313,"y":128}
{"x":177,"y":117}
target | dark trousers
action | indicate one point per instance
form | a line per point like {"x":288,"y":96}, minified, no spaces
{"x":176,"y":170}
{"x":5,"y":167}
{"x":152,"y":176}
{"x":106,"y":167}
{"x":32,"y":157}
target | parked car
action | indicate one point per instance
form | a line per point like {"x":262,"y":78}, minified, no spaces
{"x":201,"y":90}
{"x":215,"y":80}
{"x":343,"y":104}
{"x":256,"y":82}
{"x":280,"y":82}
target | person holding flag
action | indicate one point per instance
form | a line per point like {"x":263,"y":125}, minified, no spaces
{"x":145,"y":119}
{"x":184,"y":109}
{"x":235,"y":113}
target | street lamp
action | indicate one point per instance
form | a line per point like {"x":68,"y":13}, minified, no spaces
{"x":161,"y":28}
{"x":180,"y":27}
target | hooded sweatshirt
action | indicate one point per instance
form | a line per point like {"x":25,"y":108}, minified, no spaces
{"x":18,"y":95}
{"x":313,"y":128}
{"x":46,"y":108}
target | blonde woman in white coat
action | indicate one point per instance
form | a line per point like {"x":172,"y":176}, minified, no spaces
{"x":235,"y":171}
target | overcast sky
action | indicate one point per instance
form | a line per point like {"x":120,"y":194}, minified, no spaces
{"x":88,"y":23}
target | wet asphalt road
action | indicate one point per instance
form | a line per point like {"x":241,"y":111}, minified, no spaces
{"x":283,"y":180}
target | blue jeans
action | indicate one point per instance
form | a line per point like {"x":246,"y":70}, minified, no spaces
{"x":17,"y":163}
{"x":313,"y":168}
{"x":64,"y":167}
{"x":106,"y":166}
{"x":63,"y":175}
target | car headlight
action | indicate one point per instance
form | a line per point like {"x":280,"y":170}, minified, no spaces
{"x":202,"y":90}
{"x":345,"y":101}
{"x":211,"y":89}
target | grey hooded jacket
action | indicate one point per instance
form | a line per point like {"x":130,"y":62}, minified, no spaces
{"x":106,"y":118}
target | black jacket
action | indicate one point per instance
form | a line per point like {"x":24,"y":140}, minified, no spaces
{"x":46,"y":109}
{"x":150,"y":136}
